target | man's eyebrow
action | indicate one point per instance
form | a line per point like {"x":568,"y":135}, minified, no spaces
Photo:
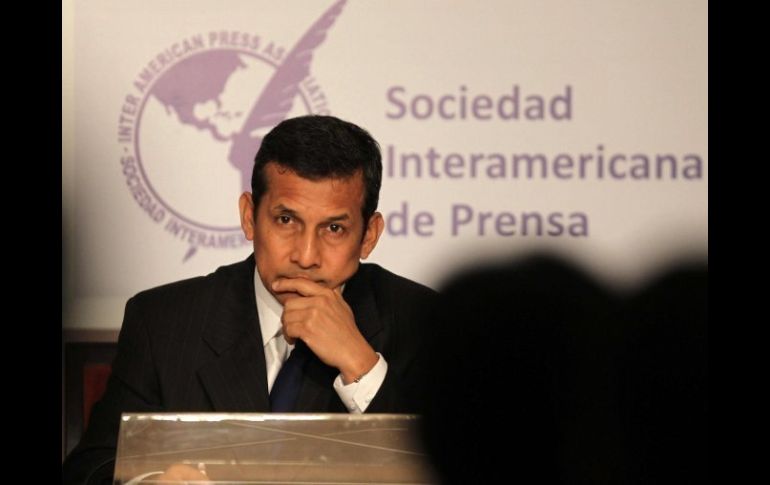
{"x":335,"y":218}
{"x":284,"y":210}
{"x":341,"y":217}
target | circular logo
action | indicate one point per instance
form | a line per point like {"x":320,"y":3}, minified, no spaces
{"x":189,"y":134}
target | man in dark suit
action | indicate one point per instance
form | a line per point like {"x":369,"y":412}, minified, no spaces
{"x":349,"y":332}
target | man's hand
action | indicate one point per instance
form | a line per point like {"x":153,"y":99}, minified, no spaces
{"x":324,"y":321}
{"x":179,"y":472}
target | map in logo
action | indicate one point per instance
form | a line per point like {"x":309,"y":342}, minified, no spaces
{"x":189,"y":135}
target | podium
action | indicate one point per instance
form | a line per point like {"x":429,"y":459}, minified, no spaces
{"x":252,"y":448}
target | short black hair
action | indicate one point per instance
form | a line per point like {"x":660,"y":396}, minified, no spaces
{"x":320,"y":147}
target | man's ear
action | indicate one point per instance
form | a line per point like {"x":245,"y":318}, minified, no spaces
{"x":246,"y":206}
{"x":373,"y":232}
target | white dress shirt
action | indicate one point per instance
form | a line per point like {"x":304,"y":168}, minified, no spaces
{"x":356,"y":396}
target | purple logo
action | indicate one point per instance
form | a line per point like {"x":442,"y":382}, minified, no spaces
{"x":189,"y":131}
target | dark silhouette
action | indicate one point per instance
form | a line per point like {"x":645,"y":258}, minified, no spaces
{"x":662,"y":379}
{"x":538,"y":372}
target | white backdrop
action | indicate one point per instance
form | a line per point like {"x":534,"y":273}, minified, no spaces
{"x":505,"y":126}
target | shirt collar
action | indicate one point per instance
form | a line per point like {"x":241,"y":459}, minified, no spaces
{"x":268,"y":308}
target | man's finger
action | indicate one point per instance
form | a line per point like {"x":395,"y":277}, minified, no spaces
{"x":301,"y":303}
{"x":298,"y":315}
{"x":302,"y":286}
{"x":289,"y":339}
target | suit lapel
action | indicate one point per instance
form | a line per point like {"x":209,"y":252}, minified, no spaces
{"x":236,"y":380}
{"x":317,"y":392}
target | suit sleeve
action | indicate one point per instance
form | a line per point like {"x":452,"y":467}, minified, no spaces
{"x":403,"y":387}
{"x":132,"y":387}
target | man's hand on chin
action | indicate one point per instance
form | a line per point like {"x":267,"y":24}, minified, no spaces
{"x":321,"y":318}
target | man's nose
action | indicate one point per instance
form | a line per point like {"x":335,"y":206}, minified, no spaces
{"x":306,"y":253}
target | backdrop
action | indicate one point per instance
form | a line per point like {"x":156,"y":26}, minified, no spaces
{"x":579,"y":126}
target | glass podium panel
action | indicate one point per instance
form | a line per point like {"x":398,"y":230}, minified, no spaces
{"x":244,"y":448}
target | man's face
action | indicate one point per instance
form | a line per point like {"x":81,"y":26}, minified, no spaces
{"x":308,"y":229}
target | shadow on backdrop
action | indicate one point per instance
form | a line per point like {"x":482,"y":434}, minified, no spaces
{"x":539,"y":372}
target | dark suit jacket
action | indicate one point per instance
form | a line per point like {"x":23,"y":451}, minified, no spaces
{"x":195,"y":346}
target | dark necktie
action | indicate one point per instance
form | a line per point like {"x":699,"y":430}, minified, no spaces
{"x":283,"y":395}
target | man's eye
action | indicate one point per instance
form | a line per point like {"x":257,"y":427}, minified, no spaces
{"x":284,"y":219}
{"x":335,"y":228}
